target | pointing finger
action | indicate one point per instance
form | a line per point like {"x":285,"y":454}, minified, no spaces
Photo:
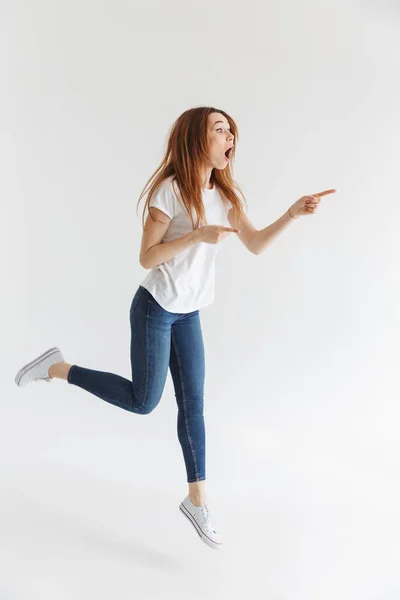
{"x":320,"y":194}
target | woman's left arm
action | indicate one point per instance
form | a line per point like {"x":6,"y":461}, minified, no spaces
{"x":306,"y":205}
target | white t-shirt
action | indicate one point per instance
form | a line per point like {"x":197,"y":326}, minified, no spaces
{"x":186,"y":282}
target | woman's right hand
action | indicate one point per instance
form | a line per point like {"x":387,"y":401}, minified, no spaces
{"x":214,"y":234}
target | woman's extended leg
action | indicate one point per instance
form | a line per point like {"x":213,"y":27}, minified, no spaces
{"x":150,"y":351}
{"x":187,"y":365}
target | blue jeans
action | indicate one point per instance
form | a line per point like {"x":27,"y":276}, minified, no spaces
{"x":159,"y":339}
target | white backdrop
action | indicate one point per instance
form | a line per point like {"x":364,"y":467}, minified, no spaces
{"x":302,"y":350}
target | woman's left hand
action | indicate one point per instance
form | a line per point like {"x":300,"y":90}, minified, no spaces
{"x":307,"y":205}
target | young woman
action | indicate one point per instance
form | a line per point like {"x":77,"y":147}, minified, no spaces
{"x":193,"y":180}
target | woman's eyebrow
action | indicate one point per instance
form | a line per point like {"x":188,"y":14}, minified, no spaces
{"x":220,"y":122}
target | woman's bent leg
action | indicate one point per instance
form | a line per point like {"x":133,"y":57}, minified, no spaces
{"x":150,"y":352}
{"x":187,"y":365}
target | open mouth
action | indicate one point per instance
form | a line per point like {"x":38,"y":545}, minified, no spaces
{"x":228,"y":153}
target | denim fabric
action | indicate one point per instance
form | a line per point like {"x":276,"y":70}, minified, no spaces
{"x":159,"y":339}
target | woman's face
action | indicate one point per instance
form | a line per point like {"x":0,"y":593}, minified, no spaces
{"x":220,"y":139}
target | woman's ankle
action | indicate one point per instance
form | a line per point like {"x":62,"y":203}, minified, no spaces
{"x":59,"y":370}
{"x":197,"y":493}
{"x":197,"y":501}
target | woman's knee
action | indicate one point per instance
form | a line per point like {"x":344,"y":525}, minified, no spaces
{"x":146,"y":410}
{"x":146,"y":407}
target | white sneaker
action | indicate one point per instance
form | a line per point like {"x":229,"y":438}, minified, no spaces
{"x":39,"y":367}
{"x":200,"y":518}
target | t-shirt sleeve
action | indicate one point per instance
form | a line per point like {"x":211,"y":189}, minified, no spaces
{"x":164,"y":199}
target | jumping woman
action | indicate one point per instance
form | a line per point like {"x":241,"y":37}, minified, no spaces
{"x":194,"y":180}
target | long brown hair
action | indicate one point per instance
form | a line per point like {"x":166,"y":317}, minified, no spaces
{"x":186,"y":153}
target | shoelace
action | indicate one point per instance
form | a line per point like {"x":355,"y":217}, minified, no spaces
{"x":208,"y":524}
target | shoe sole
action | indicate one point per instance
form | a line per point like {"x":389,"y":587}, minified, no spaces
{"x":197,"y":527}
{"x":34,"y":363}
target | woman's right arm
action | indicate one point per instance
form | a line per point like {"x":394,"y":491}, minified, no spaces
{"x":153,"y":251}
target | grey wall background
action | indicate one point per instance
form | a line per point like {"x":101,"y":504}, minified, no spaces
{"x":302,"y":346}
